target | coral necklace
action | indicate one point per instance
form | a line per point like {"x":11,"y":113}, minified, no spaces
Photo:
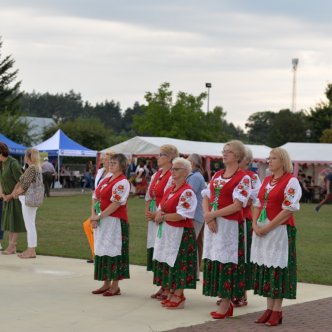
{"x":274,"y":180}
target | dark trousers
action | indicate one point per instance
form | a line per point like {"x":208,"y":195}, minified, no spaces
{"x":47,"y":179}
{"x":1,"y":232}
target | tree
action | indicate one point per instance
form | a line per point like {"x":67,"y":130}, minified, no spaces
{"x":89,"y":132}
{"x":183,"y":119}
{"x":10,"y":123}
{"x":327,"y":136}
{"x":128,"y":120}
{"x":320,"y":117}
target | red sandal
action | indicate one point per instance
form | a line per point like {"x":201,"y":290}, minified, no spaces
{"x":265,"y":317}
{"x":228,"y":313}
{"x":275,"y":318}
{"x":171,"y":305}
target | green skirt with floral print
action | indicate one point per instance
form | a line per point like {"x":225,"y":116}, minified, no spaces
{"x":114,"y":268}
{"x":248,"y":280}
{"x":278,"y":283}
{"x":183,"y":274}
{"x":149,"y":256}
{"x":226,"y":280}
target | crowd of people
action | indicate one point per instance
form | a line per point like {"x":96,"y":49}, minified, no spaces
{"x":242,"y":230}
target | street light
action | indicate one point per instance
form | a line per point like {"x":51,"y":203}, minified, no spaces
{"x":208,"y":86}
{"x":295,"y":63}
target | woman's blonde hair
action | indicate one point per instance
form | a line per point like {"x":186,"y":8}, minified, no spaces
{"x":238,"y":149}
{"x":185,"y":163}
{"x":33,"y":155}
{"x":170,"y":150}
{"x":283,"y":155}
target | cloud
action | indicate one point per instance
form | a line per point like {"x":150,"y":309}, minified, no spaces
{"x":111,"y":50}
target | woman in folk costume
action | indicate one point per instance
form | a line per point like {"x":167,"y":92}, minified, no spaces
{"x":224,"y":242}
{"x":160,"y":181}
{"x":111,"y":230}
{"x":102,"y":173}
{"x":247,"y":213}
{"x":273,"y":244}
{"x":175,"y":252}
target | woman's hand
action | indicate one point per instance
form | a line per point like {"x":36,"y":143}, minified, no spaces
{"x":208,"y":216}
{"x":150,"y":215}
{"x":259,"y":231}
{"x":212,"y":224}
{"x":158,"y":218}
{"x":7,"y":198}
{"x":94,"y":223}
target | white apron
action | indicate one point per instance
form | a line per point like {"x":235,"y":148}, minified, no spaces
{"x":108,"y":237}
{"x":152,"y":233}
{"x":223,"y":245}
{"x":167,"y":247}
{"x":271,"y":249}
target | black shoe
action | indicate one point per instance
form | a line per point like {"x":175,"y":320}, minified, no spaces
{"x":317,"y":208}
{"x":89,"y":261}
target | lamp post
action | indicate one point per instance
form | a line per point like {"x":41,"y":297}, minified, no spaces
{"x":308,"y":134}
{"x":295,"y":63}
{"x":208,"y":86}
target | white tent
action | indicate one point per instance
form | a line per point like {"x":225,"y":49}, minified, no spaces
{"x":312,"y":159}
{"x":150,"y":147}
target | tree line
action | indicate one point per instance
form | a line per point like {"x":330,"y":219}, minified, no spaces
{"x":163,"y":114}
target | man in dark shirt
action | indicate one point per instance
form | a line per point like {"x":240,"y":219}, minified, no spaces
{"x":328,"y":183}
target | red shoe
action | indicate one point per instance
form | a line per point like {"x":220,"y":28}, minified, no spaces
{"x":171,"y":305}
{"x":110,"y":293}
{"x":275,"y":318}
{"x":100,"y":291}
{"x":159,"y":293}
{"x":228,"y":313}
{"x":265,"y":317}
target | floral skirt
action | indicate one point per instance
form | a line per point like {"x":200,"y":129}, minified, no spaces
{"x":278,"y":283}
{"x":114,"y":268}
{"x":248,"y":279}
{"x":183,"y":274}
{"x":226,"y":280}
{"x":149,"y":256}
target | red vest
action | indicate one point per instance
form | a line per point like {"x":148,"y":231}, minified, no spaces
{"x":168,"y":205}
{"x":158,"y":185}
{"x":247,"y":213}
{"x":226,"y":194}
{"x":104,"y":196}
{"x":275,"y":198}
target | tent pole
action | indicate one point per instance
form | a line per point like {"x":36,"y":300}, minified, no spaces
{"x":59,"y":168}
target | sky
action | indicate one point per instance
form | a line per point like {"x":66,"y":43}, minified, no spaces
{"x":119,"y":50}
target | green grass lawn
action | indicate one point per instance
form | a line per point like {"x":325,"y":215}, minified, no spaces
{"x":60,"y":233}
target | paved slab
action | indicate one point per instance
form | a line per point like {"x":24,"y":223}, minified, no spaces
{"x":53,"y":294}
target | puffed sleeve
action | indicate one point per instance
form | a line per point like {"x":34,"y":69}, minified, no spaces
{"x":187,"y":204}
{"x":243,"y":190}
{"x":292,"y":195}
{"x":120,"y":192}
{"x":255,"y":186}
{"x":147,"y":195}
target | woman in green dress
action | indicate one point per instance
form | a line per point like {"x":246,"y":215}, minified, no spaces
{"x":12,"y":218}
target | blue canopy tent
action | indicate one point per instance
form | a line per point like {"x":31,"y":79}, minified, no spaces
{"x":14,"y":148}
{"x":61,"y":145}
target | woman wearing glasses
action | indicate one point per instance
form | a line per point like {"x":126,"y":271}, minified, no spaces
{"x":224,"y":242}
{"x":160,"y":181}
{"x":273,"y":244}
{"x":109,"y":220}
{"x":175,"y":252}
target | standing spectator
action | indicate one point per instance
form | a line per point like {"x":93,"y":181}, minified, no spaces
{"x":1,"y":231}
{"x":196,"y":180}
{"x":12,"y":218}
{"x":48,"y":171}
{"x":273,"y":250}
{"x":111,"y":229}
{"x":31,"y":175}
{"x":141,"y":184}
{"x":328,"y":184}
{"x":88,"y":179}
{"x":224,"y":244}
